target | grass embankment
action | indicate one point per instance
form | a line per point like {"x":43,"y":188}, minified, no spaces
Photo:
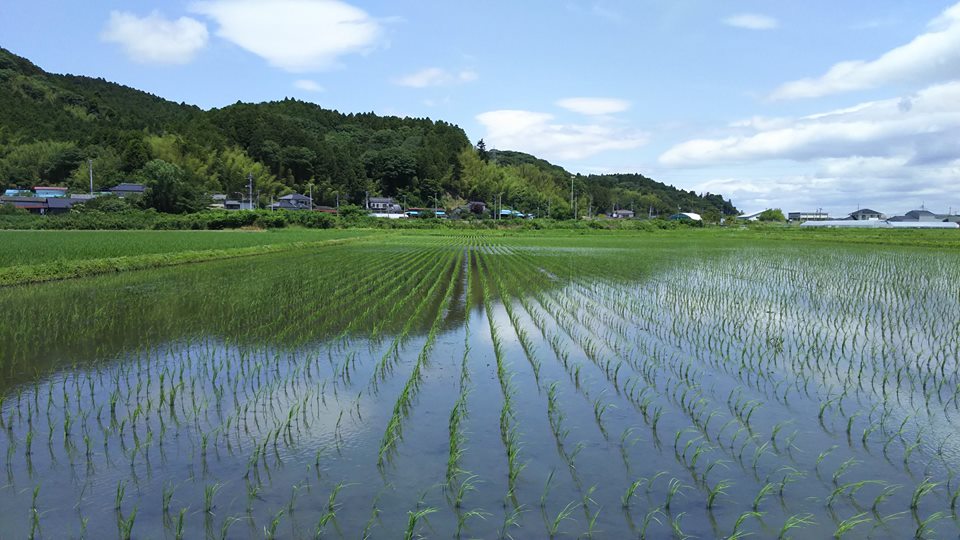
{"x":78,"y":268}
{"x":39,"y":247}
{"x":932,"y":238}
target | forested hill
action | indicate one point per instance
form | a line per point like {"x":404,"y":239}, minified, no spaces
{"x":629,"y":191}
{"x":51,"y":125}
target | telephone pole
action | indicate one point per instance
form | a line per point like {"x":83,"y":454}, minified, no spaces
{"x":90,"y":168}
{"x":250,"y":189}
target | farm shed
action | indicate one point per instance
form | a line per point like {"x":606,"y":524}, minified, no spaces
{"x":34,"y":205}
{"x":50,"y":192}
{"x":126,"y":189}
{"x":848,"y":224}
{"x":59,"y":205}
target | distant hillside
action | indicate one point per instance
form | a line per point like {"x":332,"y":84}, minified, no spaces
{"x":51,"y":125}
{"x":619,"y":191}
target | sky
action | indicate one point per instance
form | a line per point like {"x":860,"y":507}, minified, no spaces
{"x":801,"y":106}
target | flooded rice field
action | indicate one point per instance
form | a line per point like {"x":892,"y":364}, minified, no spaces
{"x":484,"y":387}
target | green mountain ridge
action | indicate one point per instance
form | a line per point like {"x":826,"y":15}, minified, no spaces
{"x":51,"y":125}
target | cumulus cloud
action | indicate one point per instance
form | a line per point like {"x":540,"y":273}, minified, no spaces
{"x":890,"y":154}
{"x":883,"y":128}
{"x":434,"y":76}
{"x":887,"y":187}
{"x":540,"y":134}
{"x":931,"y":57}
{"x":307,"y":85}
{"x":294,"y":35}
{"x":155,"y":39}
{"x":752,"y":21}
{"x":594,"y":106}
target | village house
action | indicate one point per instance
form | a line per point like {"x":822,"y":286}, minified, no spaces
{"x":866,"y":214}
{"x":477,"y":207}
{"x":294,"y":201}
{"x":383,"y":205}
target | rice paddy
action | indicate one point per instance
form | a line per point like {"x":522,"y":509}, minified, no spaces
{"x":486,"y":386}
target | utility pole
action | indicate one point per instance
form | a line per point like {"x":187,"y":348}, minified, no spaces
{"x":366,"y":195}
{"x":250,"y":189}
{"x":310,"y":185}
{"x":90,"y":168}
{"x":338,"y":203}
{"x":572,"y":203}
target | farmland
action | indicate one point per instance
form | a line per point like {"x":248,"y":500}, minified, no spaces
{"x":484,"y":385}
{"x":37,"y":247}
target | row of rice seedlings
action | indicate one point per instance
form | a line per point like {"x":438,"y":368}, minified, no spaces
{"x":392,"y":353}
{"x":460,"y":482}
{"x":394,"y":429}
{"x":510,"y":286}
{"x":696,"y":453}
{"x":911,"y":445}
{"x":509,"y":430}
{"x":137,"y":395}
{"x":341,"y":311}
{"x":301,"y":297}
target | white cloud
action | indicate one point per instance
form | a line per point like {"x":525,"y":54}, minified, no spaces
{"x":594,"y":106}
{"x":294,"y":35}
{"x":308,"y":86}
{"x":891,"y":155}
{"x":752,"y":21}
{"x":922,"y":128}
{"x":894,"y":191}
{"x":434,"y":76}
{"x":155,"y":39}
{"x":931,"y":57}
{"x":538,"y":133}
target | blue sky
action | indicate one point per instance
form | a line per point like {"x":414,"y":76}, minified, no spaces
{"x":797,"y":105}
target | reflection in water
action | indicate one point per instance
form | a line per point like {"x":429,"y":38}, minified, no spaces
{"x":284,"y":392}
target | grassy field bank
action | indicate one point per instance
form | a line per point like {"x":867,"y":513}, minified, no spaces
{"x":81,"y":254}
{"x":36,"y":247}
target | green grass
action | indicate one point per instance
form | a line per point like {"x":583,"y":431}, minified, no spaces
{"x":38,"y":247}
{"x":23,"y":274}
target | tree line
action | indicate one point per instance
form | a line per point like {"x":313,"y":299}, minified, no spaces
{"x":55,"y":128}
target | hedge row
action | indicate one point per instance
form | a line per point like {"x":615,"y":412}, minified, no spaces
{"x":264,"y":219}
{"x":134,"y":219}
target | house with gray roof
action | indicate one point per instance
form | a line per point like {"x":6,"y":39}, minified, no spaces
{"x":384,"y":205}
{"x":127,"y":189}
{"x":866,"y":214}
{"x":294,"y":201}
